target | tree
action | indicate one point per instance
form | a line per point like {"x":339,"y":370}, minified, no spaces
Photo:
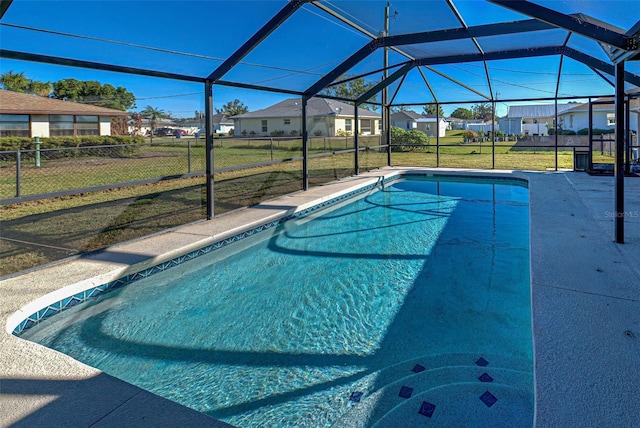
{"x":398,"y":109}
{"x":42,"y":89}
{"x":16,"y":82}
{"x":233,"y":108}
{"x":482,"y":111}
{"x":462,"y":113}
{"x":351,"y":89}
{"x":431,"y":109}
{"x":153,"y":115}
{"x":94,"y":93}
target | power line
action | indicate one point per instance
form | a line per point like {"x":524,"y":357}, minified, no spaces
{"x":151,"y":48}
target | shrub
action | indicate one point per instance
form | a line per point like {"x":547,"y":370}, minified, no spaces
{"x":596,"y":131}
{"x":469,"y":135}
{"x":294,"y":133}
{"x":252,"y":133}
{"x":317,"y":133}
{"x":277,"y":133}
{"x":230,"y":133}
{"x":341,"y":133}
{"x":244,"y":133}
{"x":408,"y":141}
{"x":119,"y":146}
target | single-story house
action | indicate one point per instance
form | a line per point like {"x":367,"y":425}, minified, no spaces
{"x":220,"y":122}
{"x":536,"y":119}
{"x":325,"y":118}
{"x":511,"y":125}
{"x":26,"y":115}
{"x":409,"y":119}
{"x":143,"y":128}
{"x":454,"y":123}
{"x":478,"y":125}
{"x":577,"y":116}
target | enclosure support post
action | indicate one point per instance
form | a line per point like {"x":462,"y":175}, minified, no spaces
{"x":356,"y":131}
{"x":387,"y":132}
{"x":590,"y":136}
{"x":493,"y":134}
{"x":437,"y":134}
{"x":208,"y":112}
{"x":305,"y":145}
{"x":385,"y":91}
{"x":619,"y":160}
{"x":555,"y":134}
{"x":627,"y":136}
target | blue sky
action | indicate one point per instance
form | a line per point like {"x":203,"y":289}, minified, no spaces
{"x":297,"y":54}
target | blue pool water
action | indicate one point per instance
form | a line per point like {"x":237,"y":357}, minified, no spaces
{"x":281,"y":329}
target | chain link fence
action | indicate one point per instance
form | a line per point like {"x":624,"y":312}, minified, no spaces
{"x":101,"y":195}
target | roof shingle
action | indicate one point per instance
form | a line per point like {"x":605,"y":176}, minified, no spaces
{"x":19,"y":103}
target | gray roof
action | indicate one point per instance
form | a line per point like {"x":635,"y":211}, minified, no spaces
{"x":292,"y":107}
{"x":537,"y":110}
{"x":405,"y":115}
{"x":221,"y":118}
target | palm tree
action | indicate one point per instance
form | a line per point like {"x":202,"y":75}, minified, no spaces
{"x":16,"y":82}
{"x":153,"y":114}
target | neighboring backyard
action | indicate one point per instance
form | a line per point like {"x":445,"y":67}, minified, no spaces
{"x":163,"y":185}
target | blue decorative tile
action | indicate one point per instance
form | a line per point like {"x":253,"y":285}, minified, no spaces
{"x":484,"y":377}
{"x":48,"y":312}
{"x":482,"y":362}
{"x":427,"y":409}
{"x":488,"y":398}
{"x":418,"y":368}
{"x":405,"y":392}
{"x":355,"y":396}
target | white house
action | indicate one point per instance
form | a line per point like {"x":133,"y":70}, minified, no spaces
{"x":536,"y":119}
{"x":324,"y":117}
{"x":577,"y":117}
{"x":409,"y":119}
{"x":26,"y":115}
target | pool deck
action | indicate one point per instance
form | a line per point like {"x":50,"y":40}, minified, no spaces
{"x":585,"y":309}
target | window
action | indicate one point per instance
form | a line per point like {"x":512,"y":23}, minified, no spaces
{"x":87,"y":125}
{"x":287,"y":121}
{"x":611,"y":119}
{"x":264,"y":126}
{"x":60,"y":125}
{"x":14,"y":125}
{"x":347,"y":125}
{"x":365,"y":126}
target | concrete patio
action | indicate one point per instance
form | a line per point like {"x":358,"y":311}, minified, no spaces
{"x":585,"y":308}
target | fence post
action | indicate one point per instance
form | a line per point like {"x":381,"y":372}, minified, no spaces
{"x":189,"y":156}
{"x":18,"y":173}
{"x":37,"y":144}
{"x":271,"y":147}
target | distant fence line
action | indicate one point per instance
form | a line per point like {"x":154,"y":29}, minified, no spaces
{"x":27,"y":175}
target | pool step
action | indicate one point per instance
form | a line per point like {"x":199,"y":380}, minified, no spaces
{"x":461,"y":405}
{"x":443,"y":379}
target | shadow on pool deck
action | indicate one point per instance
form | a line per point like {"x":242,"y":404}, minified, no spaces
{"x":585,"y":304}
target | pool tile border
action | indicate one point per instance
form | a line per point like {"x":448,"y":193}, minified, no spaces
{"x":94,"y":292}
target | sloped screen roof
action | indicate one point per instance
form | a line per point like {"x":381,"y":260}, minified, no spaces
{"x":438,"y":50}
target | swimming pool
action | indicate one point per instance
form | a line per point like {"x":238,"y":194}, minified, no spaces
{"x":305,"y":323}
